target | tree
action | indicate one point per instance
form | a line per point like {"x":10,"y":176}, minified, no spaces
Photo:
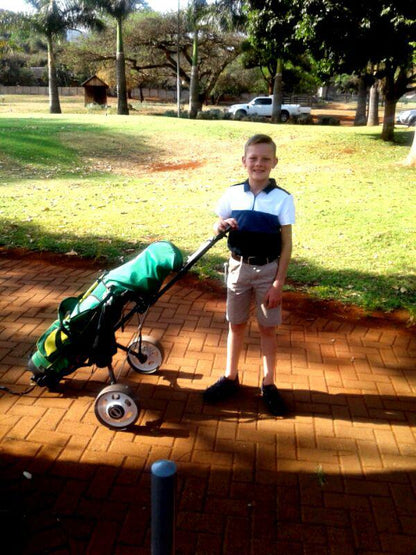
{"x":236,"y":80}
{"x":196,"y":12}
{"x":151,"y":52}
{"x":271,"y":32}
{"x":53,"y":19}
{"x":227,"y":15}
{"x":120,"y":10}
{"x":12,"y":55}
{"x":381,"y":31}
{"x":411,"y":158}
{"x":395,"y":54}
{"x":373,"y":101}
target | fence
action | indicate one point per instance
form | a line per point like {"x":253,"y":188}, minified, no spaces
{"x":64,"y":91}
{"x":146,"y":93}
{"x":162,"y":95}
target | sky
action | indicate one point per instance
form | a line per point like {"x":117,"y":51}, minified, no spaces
{"x":157,"y":5}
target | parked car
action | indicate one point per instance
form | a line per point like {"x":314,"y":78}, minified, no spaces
{"x":262,"y":106}
{"x":407,"y":117}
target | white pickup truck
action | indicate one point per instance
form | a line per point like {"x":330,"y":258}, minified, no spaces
{"x":262,"y":106}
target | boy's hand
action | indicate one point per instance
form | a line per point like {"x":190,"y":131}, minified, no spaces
{"x":222,"y":225}
{"x":273,"y":297}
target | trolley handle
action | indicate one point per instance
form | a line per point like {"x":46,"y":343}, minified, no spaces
{"x":199,"y":253}
{"x":192,"y":259}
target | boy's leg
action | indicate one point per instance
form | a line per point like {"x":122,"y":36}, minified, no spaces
{"x":269,"y":391}
{"x":228,"y":384}
{"x":235,"y":343}
{"x":268,"y":345}
{"x":238,"y":310}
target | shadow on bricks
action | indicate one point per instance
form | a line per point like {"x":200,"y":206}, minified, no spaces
{"x":336,"y":476}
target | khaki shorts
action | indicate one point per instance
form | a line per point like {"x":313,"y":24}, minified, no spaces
{"x":245,"y":281}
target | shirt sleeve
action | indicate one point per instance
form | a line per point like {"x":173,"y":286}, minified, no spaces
{"x":287,"y":212}
{"x":223,"y":208}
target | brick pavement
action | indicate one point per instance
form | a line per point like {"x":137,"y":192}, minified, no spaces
{"x":338,"y":476}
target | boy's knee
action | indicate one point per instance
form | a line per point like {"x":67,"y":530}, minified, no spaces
{"x":267,"y":331}
{"x":237,"y":328}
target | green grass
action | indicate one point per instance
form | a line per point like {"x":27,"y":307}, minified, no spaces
{"x":105,"y":186}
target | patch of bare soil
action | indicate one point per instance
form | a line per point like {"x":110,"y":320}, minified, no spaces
{"x":172,"y":166}
{"x":344,"y":112}
{"x":310,"y":308}
{"x":133,"y":165}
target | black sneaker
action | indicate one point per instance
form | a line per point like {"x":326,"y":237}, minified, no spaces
{"x":273,"y":400}
{"x":221,"y":390}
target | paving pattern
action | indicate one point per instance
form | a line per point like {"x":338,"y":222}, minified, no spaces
{"x":337,"y":476}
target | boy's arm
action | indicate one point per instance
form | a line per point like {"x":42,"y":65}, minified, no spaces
{"x":274,"y":295}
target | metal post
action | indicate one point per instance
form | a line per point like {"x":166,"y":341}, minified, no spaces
{"x":163,"y":507}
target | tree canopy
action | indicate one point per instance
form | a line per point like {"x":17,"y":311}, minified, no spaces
{"x":350,"y":36}
{"x":151,"y":43}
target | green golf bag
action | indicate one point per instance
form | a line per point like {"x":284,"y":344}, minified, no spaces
{"x":84,"y":332}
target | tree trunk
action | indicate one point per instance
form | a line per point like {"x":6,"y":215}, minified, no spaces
{"x":387,"y":133}
{"x":194,"y":102}
{"x":411,"y":158}
{"x":122,"y":106}
{"x":54,"y":104}
{"x":373,"y":118}
{"x":361,"y":112}
{"x":277,"y":92}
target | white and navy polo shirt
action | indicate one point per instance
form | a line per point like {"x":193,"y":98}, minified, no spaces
{"x":259,"y":218}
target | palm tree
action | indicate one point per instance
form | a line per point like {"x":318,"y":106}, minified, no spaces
{"x":52,"y":19}
{"x":197,"y":10}
{"x":228,"y":15}
{"x":119,"y":10}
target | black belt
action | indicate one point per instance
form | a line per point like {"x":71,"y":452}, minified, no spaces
{"x":254,"y":260}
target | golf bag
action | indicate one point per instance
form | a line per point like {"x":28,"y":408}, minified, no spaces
{"x":84,"y":332}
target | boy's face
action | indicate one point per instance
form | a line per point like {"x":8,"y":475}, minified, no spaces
{"x":259,"y":160}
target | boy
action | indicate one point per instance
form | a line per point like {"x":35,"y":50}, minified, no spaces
{"x":260,"y":216}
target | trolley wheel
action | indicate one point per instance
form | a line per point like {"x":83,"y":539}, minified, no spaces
{"x":116,"y":408}
{"x":149,"y":360}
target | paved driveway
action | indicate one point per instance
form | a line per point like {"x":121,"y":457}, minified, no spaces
{"x":338,"y":476}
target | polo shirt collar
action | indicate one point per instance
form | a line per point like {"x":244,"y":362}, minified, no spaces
{"x":271,"y":185}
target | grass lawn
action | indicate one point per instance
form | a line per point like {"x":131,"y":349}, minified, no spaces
{"x":105,"y":186}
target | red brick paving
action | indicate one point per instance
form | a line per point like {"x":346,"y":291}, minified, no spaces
{"x":338,"y":476}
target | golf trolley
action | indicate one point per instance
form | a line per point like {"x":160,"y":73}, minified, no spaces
{"x":85,"y":331}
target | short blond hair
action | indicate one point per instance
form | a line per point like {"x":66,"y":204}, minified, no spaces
{"x":260,"y":139}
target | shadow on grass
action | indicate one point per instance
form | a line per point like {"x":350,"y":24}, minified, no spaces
{"x":61,"y":144}
{"x":402,"y":136}
{"x":369,"y":291}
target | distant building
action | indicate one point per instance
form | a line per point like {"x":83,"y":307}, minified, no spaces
{"x":95,"y":91}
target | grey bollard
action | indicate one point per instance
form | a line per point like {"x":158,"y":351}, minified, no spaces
{"x":163,"y":507}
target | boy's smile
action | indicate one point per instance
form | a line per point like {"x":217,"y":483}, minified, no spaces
{"x":259,"y":160}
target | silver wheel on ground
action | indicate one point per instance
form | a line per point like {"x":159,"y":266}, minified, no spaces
{"x":116,"y":408}
{"x":150,"y":357}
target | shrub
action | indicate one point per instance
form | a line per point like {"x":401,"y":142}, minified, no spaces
{"x":303,"y":119}
{"x":94,"y":107}
{"x":174,"y":114}
{"x":328,"y":120}
{"x":210,"y":114}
